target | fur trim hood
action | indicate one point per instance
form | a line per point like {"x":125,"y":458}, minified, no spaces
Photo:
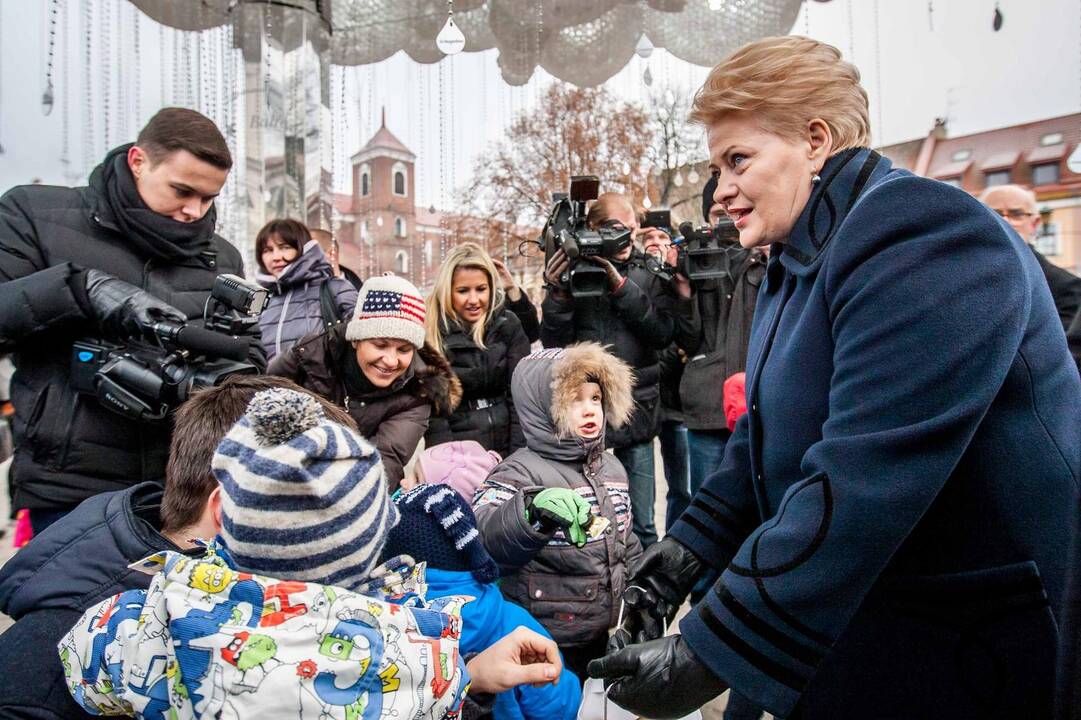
{"x":436,"y":382}
{"x":545,"y":384}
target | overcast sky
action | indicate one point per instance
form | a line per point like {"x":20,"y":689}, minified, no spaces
{"x":959,"y":68}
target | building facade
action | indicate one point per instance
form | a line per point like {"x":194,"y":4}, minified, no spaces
{"x":381,"y":228}
{"x":1041,"y":155}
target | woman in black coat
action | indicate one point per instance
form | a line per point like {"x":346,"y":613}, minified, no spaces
{"x":891,"y":517}
{"x":483,"y":341}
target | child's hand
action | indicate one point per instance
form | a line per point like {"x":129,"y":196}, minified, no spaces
{"x":562,"y":508}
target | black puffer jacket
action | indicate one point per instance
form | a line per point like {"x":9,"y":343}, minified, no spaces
{"x":68,"y":447}
{"x":714,"y":329}
{"x":636,"y":323}
{"x":78,"y":561}
{"x":486,"y":413}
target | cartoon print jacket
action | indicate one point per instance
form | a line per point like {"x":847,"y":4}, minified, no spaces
{"x":207,"y":641}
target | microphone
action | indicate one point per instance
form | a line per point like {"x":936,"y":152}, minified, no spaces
{"x":203,"y":341}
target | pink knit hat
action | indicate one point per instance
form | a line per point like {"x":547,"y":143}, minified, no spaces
{"x":462,"y":464}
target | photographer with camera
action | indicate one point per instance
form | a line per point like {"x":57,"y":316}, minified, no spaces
{"x":632,"y":313}
{"x":128,"y":258}
{"x":713,"y":328}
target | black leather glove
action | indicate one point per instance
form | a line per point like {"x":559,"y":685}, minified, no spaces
{"x":657,"y":679}
{"x":659,"y":585}
{"x":123,"y":310}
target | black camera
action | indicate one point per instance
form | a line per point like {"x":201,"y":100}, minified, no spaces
{"x":704,"y":252}
{"x":145,"y":382}
{"x":566,"y":228}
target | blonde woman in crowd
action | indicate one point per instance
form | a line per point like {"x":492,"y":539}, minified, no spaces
{"x":469,"y":324}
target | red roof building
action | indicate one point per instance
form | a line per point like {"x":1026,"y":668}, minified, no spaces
{"x":1035,"y":155}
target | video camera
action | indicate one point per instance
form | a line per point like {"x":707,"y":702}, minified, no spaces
{"x":566,"y":228}
{"x":146,"y":382}
{"x":703,"y":252}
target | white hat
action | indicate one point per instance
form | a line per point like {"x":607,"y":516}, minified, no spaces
{"x":388,"y":306}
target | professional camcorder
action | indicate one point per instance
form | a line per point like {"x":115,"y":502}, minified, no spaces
{"x":145,"y":382}
{"x":566,"y":228}
{"x":704,"y":252}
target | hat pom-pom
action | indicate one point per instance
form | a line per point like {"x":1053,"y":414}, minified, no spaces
{"x":278,"y":415}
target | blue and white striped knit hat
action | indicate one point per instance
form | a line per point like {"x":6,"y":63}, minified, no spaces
{"x":303,"y":498}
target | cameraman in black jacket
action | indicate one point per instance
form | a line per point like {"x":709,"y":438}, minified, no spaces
{"x":134,"y":247}
{"x":636,"y":320}
{"x":713,"y":328}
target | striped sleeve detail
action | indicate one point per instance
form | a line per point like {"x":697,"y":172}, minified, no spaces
{"x":713,"y":528}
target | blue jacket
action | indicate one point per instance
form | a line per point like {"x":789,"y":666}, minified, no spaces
{"x":78,"y":561}
{"x":892,"y":515}
{"x":486,"y":620}
{"x":295,"y":308}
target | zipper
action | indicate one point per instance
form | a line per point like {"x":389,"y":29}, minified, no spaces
{"x":281,"y":324}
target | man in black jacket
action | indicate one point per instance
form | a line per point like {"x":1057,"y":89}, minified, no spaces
{"x":713,"y":328}
{"x":635,"y":319}
{"x":1017,"y":205}
{"x":136,"y":246}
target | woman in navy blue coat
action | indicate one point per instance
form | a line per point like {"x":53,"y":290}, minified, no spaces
{"x":892,"y":516}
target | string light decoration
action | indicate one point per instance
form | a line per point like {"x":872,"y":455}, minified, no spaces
{"x":47,"y":94}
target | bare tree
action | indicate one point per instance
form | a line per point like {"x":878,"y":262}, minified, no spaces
{"x":677,"y":151}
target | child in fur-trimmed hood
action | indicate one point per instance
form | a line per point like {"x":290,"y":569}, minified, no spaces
{"x":555,"y":515}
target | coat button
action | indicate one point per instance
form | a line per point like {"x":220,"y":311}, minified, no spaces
{"x":754,"y":407}
{"x":537,"y":594}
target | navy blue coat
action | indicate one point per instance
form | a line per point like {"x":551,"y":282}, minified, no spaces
{"x":78,"y":561}
{"x":892,"y":515}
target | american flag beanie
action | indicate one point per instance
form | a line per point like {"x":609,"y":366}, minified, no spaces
{"x":388,"y":306}
{"x":303,"y":498}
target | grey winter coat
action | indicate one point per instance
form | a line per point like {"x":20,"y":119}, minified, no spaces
{"x":294,"y":309}
{"x":574,"y":592}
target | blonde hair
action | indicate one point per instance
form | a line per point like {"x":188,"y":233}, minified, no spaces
{"x":784,"y":83}
{"x":440,"y":306}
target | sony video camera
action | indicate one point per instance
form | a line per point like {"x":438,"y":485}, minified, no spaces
{"x":145,"y":382}
{"x":704,"y":251}
{"x":566,"y":228}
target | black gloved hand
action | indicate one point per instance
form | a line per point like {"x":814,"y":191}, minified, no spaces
{"x":657,"y":679}
{"x":123,"y":310}
{"x":660,"y":584}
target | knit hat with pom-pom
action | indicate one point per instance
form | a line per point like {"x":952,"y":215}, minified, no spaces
{"x":303,"y":498}
{"x":438,"y":527}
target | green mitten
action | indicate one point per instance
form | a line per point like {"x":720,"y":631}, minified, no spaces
{"x":561,"y":508}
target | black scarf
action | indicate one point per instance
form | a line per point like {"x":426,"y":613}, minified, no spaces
{"x":154,"y":235}
{"x":357,"y":383}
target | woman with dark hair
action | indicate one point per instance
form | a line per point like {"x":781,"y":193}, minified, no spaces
{"x":891,"y":517}
{"x":294,"y":269}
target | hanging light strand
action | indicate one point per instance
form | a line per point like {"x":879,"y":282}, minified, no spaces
{"x":47,"y":96}
{"x":88,"y":85}
{"x":105,"y":61}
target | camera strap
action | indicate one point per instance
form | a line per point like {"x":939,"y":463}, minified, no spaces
{"x":328,"y":308}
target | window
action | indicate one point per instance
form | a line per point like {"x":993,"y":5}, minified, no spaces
{"x":401,"y":262}
{"x":1050,"y":139}
{"x":1047,"y":239}
{"x":399,"y":227}
{"x":997,"y":177}
{"x":1046,"y":174}
{"x":365,"y":180}
{"x":399,"y":183}
{"x":961,"y":155}
{"x":955,"y":181}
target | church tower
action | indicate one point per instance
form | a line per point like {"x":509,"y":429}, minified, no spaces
{"x":384,"y":203}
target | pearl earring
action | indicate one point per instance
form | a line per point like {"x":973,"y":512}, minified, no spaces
{"x":815,"y":179}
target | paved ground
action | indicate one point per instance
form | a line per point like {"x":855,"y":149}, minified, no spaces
{"x":712,"y":711}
